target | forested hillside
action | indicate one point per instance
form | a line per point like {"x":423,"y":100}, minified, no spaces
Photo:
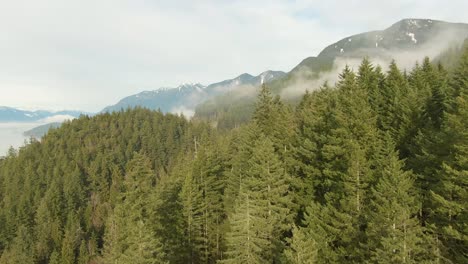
{"x":371,"y":170}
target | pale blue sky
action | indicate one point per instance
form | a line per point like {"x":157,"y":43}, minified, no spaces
{"x":86,"y":54}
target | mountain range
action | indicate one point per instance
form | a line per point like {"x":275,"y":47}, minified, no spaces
{"x":408,"y":39}
{"x":184,"y":98}
{"x":9,"y":114}
{"x":406,"y":42}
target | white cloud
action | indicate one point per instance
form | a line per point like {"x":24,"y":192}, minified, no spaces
{"x":56,"y":119}
{"x":182,"y":110}
{"x":89,"y":54}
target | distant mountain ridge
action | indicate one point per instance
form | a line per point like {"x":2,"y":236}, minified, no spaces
{"x":186,"y":97}
{"x":406,"y":41}
{"x":407,"y":35}
{"x":40,"y":131}
{"x":10,"y":114}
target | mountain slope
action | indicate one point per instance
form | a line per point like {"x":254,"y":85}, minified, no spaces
{"x":408,"y":35}
{"x":186,"y":97}
{"x":164,"y":99}
{"x":40,"y":131}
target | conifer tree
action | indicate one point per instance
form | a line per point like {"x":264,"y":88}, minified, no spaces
{"x":55,"y":258}
{"x":459,"y":79}
{"x":368,"y":78}
{"x":240,"y":151}
{"x":314,"y":119}
{"x":424,"y":145}
{"x":48,"y":222}
{"x":129,"y":238}
{"x":70,"y":240}
{"x":208,"y":170}
{"x":394,"y":112}
{"x":450,"y":196}
{"x":302,"y":248}
{"x":169,"y":217}
{"x":262,"y":211}
{"x":323,"y":226}
{"x":393,"y":229}
{"x":347,"y":168}
{"x":73,"y":190}
{"x":245,"y":242}
{"x":83,"y":255}
{"x":192,"y":210}
{"x":20,"y":250}
{"x":273,"y":118}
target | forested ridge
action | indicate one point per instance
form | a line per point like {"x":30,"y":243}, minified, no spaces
{"x":371,"y":170}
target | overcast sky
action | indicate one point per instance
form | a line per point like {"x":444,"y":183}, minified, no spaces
{"x":86,"y":54}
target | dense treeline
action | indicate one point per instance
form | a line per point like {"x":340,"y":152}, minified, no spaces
{"x":372,"y":170}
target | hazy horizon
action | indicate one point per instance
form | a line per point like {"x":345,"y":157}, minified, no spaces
{"x":87,"y":55}
{"x":11,"y":134}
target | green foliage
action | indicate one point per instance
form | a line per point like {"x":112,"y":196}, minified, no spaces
{"x":262,"y":213}
{"x":343,"y":172}
{"x":302,"y":249}
{"x":129,"y":238}
{"x":371,"y":170}
{"x":19,"y":251}
{"x":450,"y":196}
{"x":394,"y":233}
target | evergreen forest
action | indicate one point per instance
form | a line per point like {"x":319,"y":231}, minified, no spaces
{"x":372,"y":169}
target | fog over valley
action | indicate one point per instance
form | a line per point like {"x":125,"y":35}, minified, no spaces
{"x":11,"y":135}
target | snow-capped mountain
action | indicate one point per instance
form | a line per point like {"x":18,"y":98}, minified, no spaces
{"x":9,"y":114}
{"x":400,"y":41}
{"x":186,"y":97}
{"x":406,"y":41}
{"x":166,"y":99}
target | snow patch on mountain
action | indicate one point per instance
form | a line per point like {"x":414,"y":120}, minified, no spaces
{"x":414,"y":23}
{"x":185,"y":97}
{"x":411,"y":35}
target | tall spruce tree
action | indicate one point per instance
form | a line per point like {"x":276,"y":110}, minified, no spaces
{"x":450,"y":196}
{"x":274,"y":119}
{"x":262,"y":213}
{"x":459,"y":79}
{"x":395,"y":111}
{"x":424,"y":146}
{"x":240,"y":151}
{"x":347,"y":168}
{"x":129,"y":238}
{"x":302,"y":248}
{"x":168,"y":219}
{"x":210,"y":170}
{"x":314,"y":122}
{"x":394,"y":233}
{"x":20,"y":250}
{"x":71,"y":239}
{"x":369,"y":78}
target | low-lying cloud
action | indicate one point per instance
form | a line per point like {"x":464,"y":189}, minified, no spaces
{"x":405,"y":59}
{"x":56,"y":119}
{"x":89,"y":54}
